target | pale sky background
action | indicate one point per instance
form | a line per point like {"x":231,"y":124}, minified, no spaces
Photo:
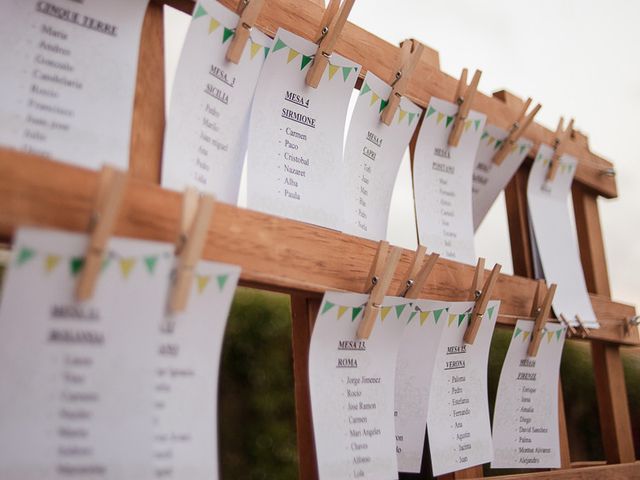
{"x":578,"y":58}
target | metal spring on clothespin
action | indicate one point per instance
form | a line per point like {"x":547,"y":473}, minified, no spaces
{"x":418,"y":273}
{"x":248,"y":11}
{"x":517,"y":130}
{"x":541,"y":313}
{"x":464,"y":98}
{"x":559,"y":146}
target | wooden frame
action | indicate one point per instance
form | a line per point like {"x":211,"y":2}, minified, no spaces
{"x":305,"y":260}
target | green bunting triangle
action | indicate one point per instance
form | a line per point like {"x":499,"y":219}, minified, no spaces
{"x":200,"y":11}
{"x":305,"y":61}
{"x":226,"y":34}
{"x":266,"y":52}
{"x":490,"y":312}
{"x":437,"y":313}
{"x":484,"y":135}
{"x":498,"y":143}
{"x":431,"y":111}
{"x":76,"y":265}
{"x":400,"y":309}
{"x":558,"y":333}
{"x":24,"y":255}
{"x":461,"y":318}
{"x":522,"y":147}
{"x":413,"y":314}
{"x":365,"y":88}
{"x":150,"y":263}
{"x":383,"y":104}
{"x":105,"y":264}
{"x":345,"y":72}
{"x":222,"y":280}
{"x":411,"y":117}
{"x":517,"y":332}
{"x":355,"y":312}
{"x":327,"y":306}
{"x":279,"y":44}
{"x":476,"y":124}
{"x":449,"y":120}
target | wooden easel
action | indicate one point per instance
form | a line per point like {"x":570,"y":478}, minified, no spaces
{"x":37,"y":191}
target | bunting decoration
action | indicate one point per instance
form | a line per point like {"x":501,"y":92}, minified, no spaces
{"x":549,"y":334}
{"x":354,"y":312}
{"x":564,"y":167}
{"x":51,"y":261}
{"x":457,"y":319}
{"x":227,"y":33}
{"x":424,"y":315}
{"x":447,"y":120}
{"x":366,"y":88}
{"x":497,"y":143}
{"x":305,"y":60}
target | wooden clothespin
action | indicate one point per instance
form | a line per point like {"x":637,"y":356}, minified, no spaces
{"x":333,"y":20}
{"x":584,"y":331}
{"x":541,"y":314}
{"x":559,"y":146}
{"x":481,"y":298}
{"x":378,"y":281}
{"x":248,"y":11}
{"x":410,"y":53}
{"x":464,"y":99}
{"x":517,"y":130}
{"x":194,"y":226}
{"x":111,"y":187}
{"x":417,"y":275}
{"x":572,"y":331}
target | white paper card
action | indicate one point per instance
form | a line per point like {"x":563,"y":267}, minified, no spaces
{"x":68,"y":78}
{"x":206,"y":137}
{"x":76,"y":378}
{"x":525,"y":419}
{"x":294,"y":162}
{"x":352,"y":388}
{"x":490,"y":179}
{"x":458,"y":418}
{"x":372,"y":157}
{"x":414,"y":368}
{"x":442,"y":181}
{"x":556,"y":240}
{"x":186,"y":381}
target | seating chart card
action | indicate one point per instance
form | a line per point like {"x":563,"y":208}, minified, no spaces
{"x":294,"y":162}
{"x":458,"y":418}
{"x":352,"y":387}
{"x":525,"y":419}
{"x":556,"y":240}
{"x":416,"y":360}
{"x":490,"y":179}
{"x":206,"y":136}
{"x":372,"y":157}
{"x":442,"y":181}
{"x":68,"y":78}
{"x":185,"y":395}
{"x":76,"y":378}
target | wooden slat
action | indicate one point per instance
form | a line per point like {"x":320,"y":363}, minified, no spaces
{"x":304,"y":310}
{"x":626,"y":471}
{"x":611,"y":391}
{"x":303,"y":17}
{"x":273,"y":252}
{"x":147,"y":129}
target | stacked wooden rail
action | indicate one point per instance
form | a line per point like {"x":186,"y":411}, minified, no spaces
{"x":304,"y":260}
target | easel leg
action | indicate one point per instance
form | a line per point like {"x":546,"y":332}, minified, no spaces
{"x":565,"y":455}
{"x":304,"y":311}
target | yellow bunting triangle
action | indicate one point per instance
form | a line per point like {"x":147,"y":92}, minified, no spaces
{"x":213,"y":25}
{"x":440,"y":117}
{"x":423,"y":317}
{"x":341,"y":311}
{"x":403,"y":114}
{"x":385,"y":311}
{"x":525,"y":335}
{"x":332,"y":71}
{"x":374,"y":99}
{"x":51,"y":262}
{"x":255,"y":48}
{"x":292,"y":54}
{"x":126,"y":265}
{"x":549,"y":336}
{"x":451,"y":319}
{"x":202,"y":281}
{"x":467,"y":124}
